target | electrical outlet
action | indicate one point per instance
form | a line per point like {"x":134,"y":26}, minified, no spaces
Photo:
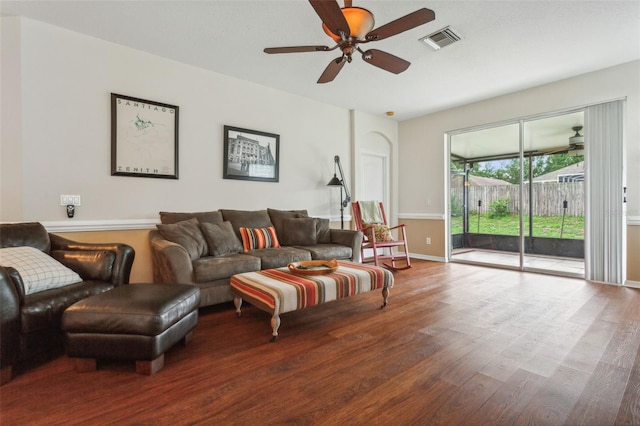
{"x":70,"y":200}
{"x":428,"y":240}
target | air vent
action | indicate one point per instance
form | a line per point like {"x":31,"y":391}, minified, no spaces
{"x":441,"y":38}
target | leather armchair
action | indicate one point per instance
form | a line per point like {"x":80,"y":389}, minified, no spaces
{"x":30,"y":324}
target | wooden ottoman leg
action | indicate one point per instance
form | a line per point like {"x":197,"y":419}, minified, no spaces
{"x":237,"y":301}
{"x":85,"y":364}
{"x":150,"y":367}
{"x":275,"y":324}
{"x":385,"y":296}
{"x":187,"y":338}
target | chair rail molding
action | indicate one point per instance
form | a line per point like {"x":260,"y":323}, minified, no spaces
{"x":422,"y":216}
{"x":100,"y":225}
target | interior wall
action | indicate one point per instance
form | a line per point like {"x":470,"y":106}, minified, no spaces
{"x":422,"y":146}
{"x":62,"y":143}
{"x":10,"y":116}
{"x":55,"y":99}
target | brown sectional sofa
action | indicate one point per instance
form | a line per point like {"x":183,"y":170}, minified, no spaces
{"x":205,"y":248}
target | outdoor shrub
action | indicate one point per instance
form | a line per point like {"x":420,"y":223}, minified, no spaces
{"x":499,"y":208}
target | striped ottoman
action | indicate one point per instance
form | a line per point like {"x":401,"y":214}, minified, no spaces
{"x":279,"y":290}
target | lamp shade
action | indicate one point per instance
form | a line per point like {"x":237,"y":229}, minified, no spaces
{"x":360,"y":22}
{"x":334,"y":181}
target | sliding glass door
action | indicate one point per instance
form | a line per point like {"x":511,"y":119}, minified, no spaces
{"x":521,"y":201}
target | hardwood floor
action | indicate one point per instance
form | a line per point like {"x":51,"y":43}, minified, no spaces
{"x":457,"y":344}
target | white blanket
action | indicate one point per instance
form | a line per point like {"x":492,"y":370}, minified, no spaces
{"x":370,"y":212}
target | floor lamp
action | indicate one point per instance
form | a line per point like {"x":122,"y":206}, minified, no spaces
{"x":342,"y":184}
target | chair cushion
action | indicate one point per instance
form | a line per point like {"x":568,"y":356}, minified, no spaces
{"x":90,"y":264}
{"x":22,"y":234}
{"x":381,"y":232}
{"x":38,"y":270}
{"x":221,"y":238}
{"x":43,"y":310}
{"x":188,"y":234}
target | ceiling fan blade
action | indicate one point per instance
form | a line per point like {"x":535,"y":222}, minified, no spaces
{"x":332,"y":70}
{"x":386,"y":61}
{"x":296,"y":49}
{"x":407,"y":22}
{"x":331,"y":15}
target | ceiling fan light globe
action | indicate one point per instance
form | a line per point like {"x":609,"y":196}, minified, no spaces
{"x":360,"y":22}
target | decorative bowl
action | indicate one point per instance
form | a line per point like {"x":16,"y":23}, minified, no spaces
{"x":313,"y":267}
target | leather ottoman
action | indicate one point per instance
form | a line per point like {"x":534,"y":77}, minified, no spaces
{"x":137,"y":322}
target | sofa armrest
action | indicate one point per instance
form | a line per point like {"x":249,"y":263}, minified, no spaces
{"x":171,"y":261}
{"x":349,"y":238}
{"x":87,"y":254}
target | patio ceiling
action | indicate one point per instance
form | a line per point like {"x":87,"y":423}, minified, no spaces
{"x":502,"y":141}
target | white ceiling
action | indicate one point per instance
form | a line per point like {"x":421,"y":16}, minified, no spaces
{"x":507,"y":45}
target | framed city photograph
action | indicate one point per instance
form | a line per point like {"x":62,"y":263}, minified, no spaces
{"x":250,"y":155}
{"x":144,"y":138}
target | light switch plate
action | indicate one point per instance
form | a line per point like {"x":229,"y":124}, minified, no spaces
{"x":70,"y":200}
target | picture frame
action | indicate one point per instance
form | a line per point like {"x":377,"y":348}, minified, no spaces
{"x":251,"y":155}
{"x":144,"y":138}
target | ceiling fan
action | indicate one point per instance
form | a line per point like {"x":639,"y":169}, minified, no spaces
{"x":351,"y":26}
{"x":575,"y":147}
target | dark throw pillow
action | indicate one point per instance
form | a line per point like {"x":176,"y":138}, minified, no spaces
{"x":221,"y":238}
{"x":299,"y":231}
{"x":323,"y":231}
{"x":188,"y":234}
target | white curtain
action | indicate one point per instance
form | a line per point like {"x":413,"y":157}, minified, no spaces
{"x":604,"y":152}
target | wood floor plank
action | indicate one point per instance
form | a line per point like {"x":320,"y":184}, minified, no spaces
{"x":457,"y":344}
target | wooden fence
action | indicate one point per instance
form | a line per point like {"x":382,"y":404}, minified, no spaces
{"x":548,"y":198}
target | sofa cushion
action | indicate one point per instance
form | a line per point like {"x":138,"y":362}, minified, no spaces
{"x":280,"y":257}
{"x":90,"y":264}
{"x":328,"y":251}
{"x":221,"y":238}
{"x":246,"y":219}
{"x":38,"y":270}
{"x":278,"y":217}
{"x":299,"y":231}
{"x":323,"y":231}
{"x":215,"y":268}
{"x":259,"y":238}
{"x":188,"y":234}
{"x":203,"y":217}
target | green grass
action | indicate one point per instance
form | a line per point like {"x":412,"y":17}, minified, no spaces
{"x":508,"y":225}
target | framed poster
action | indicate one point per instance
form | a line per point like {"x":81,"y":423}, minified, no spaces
{"x":250,"y":155}
{"x":144,"y":138}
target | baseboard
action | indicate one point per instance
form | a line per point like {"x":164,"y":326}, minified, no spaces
{"x":633,"y":284}
{"x":427,"y":257}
